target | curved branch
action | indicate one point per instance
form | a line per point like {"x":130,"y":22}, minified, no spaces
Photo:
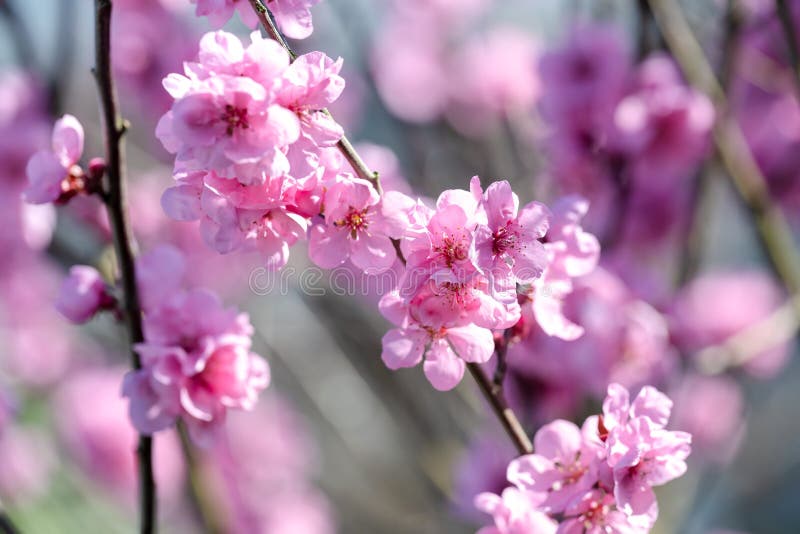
{"x":492,"y":393}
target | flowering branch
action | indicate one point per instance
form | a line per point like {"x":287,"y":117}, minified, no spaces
{"x":492,"y":391}
{"x":115,"y":129}
{"x":344,"y":145}
{"x":504,"y":413}
{"x":774,"y":233}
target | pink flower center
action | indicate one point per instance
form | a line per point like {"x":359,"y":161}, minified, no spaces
{"x":570,"y":473}
{"x":235,"y":118}
{"x":453,"y":249}
{"x":504,"y":239}
{"x":355,"y":220}
{"x":595,"y":516}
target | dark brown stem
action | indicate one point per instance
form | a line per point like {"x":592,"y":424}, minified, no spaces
{"x":501,"y":409}
{"x":502,"y":364}
{"x":6,"y":525}
{"x":784,"y":13}
{"x":123,"y":239}
{"x":775,"y":235}
{"x":344,"y":145}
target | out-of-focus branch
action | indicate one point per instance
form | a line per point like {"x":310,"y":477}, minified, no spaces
{"x":203,"y":503}
{"x":694,"y":230}
{"x":495,"y":398}
{"x":19,"y":35}
{"x":63,"y":56}
{"x":122,"y":236}
{"x":6,"y":525}
{"x":784,"y":12}
{"x":774,"y":233}
{"x":777,"y":328}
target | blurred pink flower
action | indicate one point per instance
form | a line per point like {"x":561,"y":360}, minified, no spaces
{"x":50,"y":171}
{"x":709,"y":310}
{"x":83,"y":293}
{"x":102,"y":441}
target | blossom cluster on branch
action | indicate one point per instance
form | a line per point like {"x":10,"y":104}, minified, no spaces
{"x":597,"y":478}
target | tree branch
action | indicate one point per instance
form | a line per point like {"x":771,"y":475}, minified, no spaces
{"x":504,"y":413}
{"x":6,"y":525}
{"x":501,"y":409}
{"x":775,"y":235}
{"x":122,"y":236}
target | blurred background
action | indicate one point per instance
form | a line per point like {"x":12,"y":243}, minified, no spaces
{"x":558,"y":97}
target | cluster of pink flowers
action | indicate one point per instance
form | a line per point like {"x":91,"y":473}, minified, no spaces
{"x":466,"y":260}
{"x":598,"y":478}
{"x":619,"y":134}
{"x":195,"y":365}
{"x":251,"y":138}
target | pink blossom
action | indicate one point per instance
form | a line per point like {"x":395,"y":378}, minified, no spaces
{"x":509,"y":245}
{"x":514,"y":512}
{"x":293,"y":16}
{"x":594,"y":513}
{"x":194,"y":366}
{"x":83,"y":293}
{"x":572,"y":253}
{"x":310,"y":84}
{"x":50,"y":171}
{"x":494,"y":77}
{"x":445,"y":348}
{"x":708,"y":312}
{"x":354,"y":228}
{"x":563,"y":468}
{"x":641,"y":452}
{"x":102,"y":441}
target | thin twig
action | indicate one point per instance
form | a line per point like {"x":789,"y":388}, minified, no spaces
{"x":202,"y":502}
{"x":344,"y":145}
{"x":775,"y":235}
{"x":784,"y":13}
{"x":501,"y":409}
{"x":504,"y":413}
{"x":122,"y":236}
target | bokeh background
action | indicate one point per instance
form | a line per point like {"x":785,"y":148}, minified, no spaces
{"x":556,"y":96}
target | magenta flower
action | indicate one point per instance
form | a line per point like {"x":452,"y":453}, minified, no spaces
{"x":309,"y":85}
{"x":509,"y":247}
{"x":51,"y":171}
{"x":83,"y":293}
{"x":572,"y":252}
{"x":641,"y":452}
{"x":194,"y":365}
{"x":444,"y":347}
{"x":563,"y":468}
{"x":594,"y":513}
{"x":514,"y":512}
{"x":354,"y":228}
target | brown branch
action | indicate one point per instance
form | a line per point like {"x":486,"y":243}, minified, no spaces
{"x":775,"y":235}
{"x":122,"y":236}
{"x":504,"y":413}
{"x":344,"y":145}
{"x":500,"y":407}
